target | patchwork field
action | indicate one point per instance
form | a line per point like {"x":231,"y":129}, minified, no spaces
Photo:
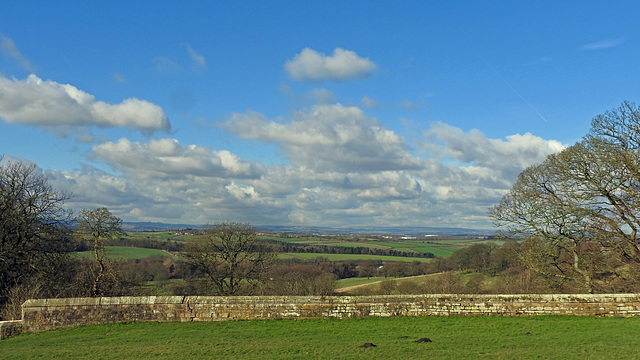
{"x":439,"y":246}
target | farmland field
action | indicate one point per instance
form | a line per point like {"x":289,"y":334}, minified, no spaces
{"x":125,"y":252}
{"x":440,"y":246}
{"x":547,"y":337}
{"x":443,"y":247}
{"x":347,"y":257}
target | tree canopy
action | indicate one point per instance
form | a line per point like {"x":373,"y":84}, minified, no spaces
{"x":589,"y":192}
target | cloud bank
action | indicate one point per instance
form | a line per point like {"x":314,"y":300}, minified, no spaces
{"x":338,"y":166}
{"x":341,"y":167}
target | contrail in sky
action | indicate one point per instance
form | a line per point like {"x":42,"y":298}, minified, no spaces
{"x":516,"y":91}
{"x":511,"y":87}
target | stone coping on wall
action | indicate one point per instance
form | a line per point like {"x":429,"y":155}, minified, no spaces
{"x":44,"y":314}
{"x":139,"y":300}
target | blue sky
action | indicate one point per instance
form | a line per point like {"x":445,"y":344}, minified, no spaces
{"x":419,"y":113}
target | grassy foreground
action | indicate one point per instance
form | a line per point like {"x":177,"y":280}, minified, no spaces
{"x":547,"y":337}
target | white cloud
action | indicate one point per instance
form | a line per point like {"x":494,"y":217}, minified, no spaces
{"x":165,"y":65}
{"x":470,"y":172}
{"x":603,"y":44}
{"x":367,"y":102}
{"x":329,"y":137}
{"x":199,"y":62}
{"x":408,"y":105}
{"x":52,"y":105}
{"x":93,"y":186}
{"x":309,"y":65}
{"x":119,"y":77}
{"x":168,"y":158}
{"x":474,"y":148}
{"x":9,"y":48}
{"x":243,"y":193}
{"x":322,"y":96}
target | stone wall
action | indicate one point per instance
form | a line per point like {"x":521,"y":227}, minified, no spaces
{"x":10,"y":328}
{"x":47,"y":314}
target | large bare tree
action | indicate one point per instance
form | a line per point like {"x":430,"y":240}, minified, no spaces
{"x":230,"y":257}
{"x":589,"y":192}
{"x":33,"y":233}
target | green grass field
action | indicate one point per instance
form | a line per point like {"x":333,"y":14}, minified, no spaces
{"x":548,"y":337}
{"x":442,"y":247}
{"x":346,"y":257}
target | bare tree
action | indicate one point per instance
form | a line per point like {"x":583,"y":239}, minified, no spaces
{"x":96,"y":226}
{"x":589,"y":192}
{"x":230,"y":257}
{"x":33,"y":235}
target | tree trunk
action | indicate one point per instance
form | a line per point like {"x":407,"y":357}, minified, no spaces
{"x":585,"y":274}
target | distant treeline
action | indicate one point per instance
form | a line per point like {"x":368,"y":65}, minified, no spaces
{"x":276,"y":245}
{"x":167,"y":245}
{"x":359,"y":250}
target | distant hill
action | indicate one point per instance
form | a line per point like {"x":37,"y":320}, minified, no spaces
{"x":391,"y":230}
